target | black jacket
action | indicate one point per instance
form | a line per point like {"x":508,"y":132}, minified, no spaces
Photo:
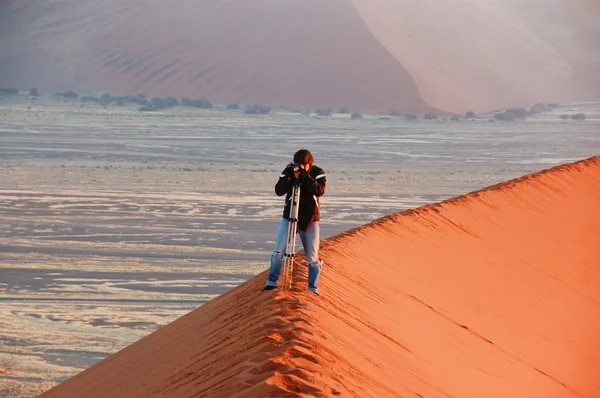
{"x":311,"y":188}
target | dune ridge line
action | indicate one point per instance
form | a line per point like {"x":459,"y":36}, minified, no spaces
{"x":494,"y":293}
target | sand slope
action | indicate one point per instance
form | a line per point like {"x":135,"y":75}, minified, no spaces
{"x":484,"y":55}
{"x":495,"y":294}
{"x":296,"y":53}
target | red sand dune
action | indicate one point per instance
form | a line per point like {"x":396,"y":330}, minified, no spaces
{"x":484,"y":55}
{"x":367,"y":55}
{"x":491,"y":294}
{"x":302,"y":53}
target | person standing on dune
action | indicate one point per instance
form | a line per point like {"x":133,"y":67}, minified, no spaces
{"x":312,"y":186}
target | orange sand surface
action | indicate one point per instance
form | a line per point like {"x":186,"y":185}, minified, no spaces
{"x":491,"y":294}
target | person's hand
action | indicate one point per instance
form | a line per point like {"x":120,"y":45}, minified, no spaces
{"x":289,"y":171}
{"x":302,"y":174}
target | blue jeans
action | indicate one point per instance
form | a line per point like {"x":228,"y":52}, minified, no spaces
{"x":310,"y":242}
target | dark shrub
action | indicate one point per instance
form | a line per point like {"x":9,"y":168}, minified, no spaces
{"x":33,"y":92}
{"x":70,"y":94}
{"x":578,"y":116}
{"x":185,"y":101}
{"x":260,"y":110}
{"x":356,"y":115}
{"x":324,"y":112}
{"x":430,"y":116}
{"x":251,"y":112}
{"x":470,"y":115}
{"x":455,"y":118}
{"x":343,"y":111}
{"x":171,"y":101}
{"x":105,"y":98}
{"x":158,"y":103}
{"x":136,"y":100}
{"x":565,"y":117}
{"x":233,"y":106}
{"x":394,"y":113}
{"x":410,"y":116}
{"x":9,"y":91}
{"x":89,"y":99}
{"x":162,"y":103}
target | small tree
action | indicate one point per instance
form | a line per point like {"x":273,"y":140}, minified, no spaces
{"x":410,"y":116}
{"x":564,"y":117}
{"x":470,"y":115}
{"x":454,"y":118}
{"x":233,"y":106}
{"x":394,"y":113}
{"x":70,"y":94}
{"x":343,"y":111}
{"x":429,"y":116}
{"x":324,"y":112}
{"x":356,"y":115}
{"x":578,"y":116}
{"x":171,"y":101}
{"x":105,"y":98}
{"x":33,"y":92}
{"x":159,"y":103}
{"x":185,"y":101}
{"x":136,"y":100}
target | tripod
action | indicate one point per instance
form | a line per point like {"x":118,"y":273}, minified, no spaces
{"x":290,"y":247}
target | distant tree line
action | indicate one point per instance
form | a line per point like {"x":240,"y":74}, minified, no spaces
{"x":577,"y":116}
{"x":520,"y":113}
{"x":158,"y":103}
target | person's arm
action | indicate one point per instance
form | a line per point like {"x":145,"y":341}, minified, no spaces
{"x":316,"y":186}
{"x":285,"y":181}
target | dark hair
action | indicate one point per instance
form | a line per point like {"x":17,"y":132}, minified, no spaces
{"x":303,"y":156}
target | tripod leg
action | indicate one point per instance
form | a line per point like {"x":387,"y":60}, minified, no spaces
{"x":288,"y":265}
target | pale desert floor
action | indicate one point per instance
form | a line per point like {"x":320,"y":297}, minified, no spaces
{"x":115,"y":222}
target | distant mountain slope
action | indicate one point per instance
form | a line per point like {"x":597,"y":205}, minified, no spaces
{"x":492,"y":294}
{"x":485,"y":55}
{"x":366,"y":55}
{"x":302,"y":53}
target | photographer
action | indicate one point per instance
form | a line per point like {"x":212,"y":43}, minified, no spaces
{"x":312,"y":185}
